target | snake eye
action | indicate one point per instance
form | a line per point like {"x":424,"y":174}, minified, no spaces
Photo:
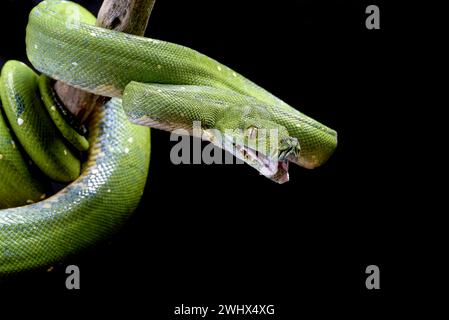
{"x":290,"y":148}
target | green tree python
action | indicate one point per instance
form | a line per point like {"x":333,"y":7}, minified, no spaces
{"x":151,"y":83}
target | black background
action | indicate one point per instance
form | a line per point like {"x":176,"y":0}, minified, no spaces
{"x":224,"y":234}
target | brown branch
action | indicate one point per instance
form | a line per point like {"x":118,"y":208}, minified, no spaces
{"x":129,"y":16}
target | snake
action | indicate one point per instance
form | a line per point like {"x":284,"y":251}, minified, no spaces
{"x":151,"y":83}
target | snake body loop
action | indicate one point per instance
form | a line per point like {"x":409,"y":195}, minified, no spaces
{"x":107,"y":63}
{"x":90,"y":208}
{"x":162,"y":84}
{"x":37,"y":230}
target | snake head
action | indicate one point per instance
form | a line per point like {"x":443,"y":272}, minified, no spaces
{"x":259,"y":142}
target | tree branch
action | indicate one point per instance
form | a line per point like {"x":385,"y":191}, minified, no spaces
{"x":129,"y":16}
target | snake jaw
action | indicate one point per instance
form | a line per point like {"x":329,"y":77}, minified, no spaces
{"x":273,"y":166}
{"x":281,"y":175}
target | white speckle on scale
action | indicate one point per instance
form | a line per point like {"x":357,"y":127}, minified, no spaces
{"x":159,"y":90}
{"x":219,"y":68}
{"x":93,"y":34}
{"x":30,"y":201}
{"x":75,"y":63}
{"x":130,"y":140}
{"x":1,"y":156}
{"x":13,"y":144}
{"x":19,"y":121}
{"x":65,"y":152}
{"x":159,"y":66}
{"x":126,"y":150}
{"x":53,"y":108}
{"x":183,"y":88}
{"x":109,"y":190}
{"x":35,"y":46}
{"x":43,"y":196}
{"x":234,"y":74}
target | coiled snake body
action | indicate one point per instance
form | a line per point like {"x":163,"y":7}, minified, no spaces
{"x":163,"y":85}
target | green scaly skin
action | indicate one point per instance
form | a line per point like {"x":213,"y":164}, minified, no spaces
{"x":54,"y":108}
{"x":32,"y":126}
{"x":89,"y":209}
{"x":63,"y":43}
{"x":106,"y":62}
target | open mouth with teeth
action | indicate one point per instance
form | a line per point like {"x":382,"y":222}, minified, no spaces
{"x":273,"y":166}
{"x":276,"y":170}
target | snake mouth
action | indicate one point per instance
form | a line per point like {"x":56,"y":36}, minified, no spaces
{"x":274,"y":167}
